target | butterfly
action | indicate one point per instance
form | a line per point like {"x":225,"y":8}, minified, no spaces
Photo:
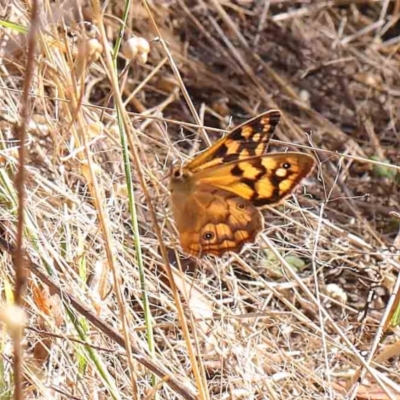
{"x":215,"y":197}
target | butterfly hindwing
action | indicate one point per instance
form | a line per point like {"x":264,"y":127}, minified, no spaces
{"x":264,"y":180}
{"x":214,"y":221}
{"x":246,"y":140}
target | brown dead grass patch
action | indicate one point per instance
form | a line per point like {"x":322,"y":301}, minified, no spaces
{"x":303,"y":312}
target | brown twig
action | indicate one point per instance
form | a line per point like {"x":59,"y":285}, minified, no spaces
{"x":20,"y":270}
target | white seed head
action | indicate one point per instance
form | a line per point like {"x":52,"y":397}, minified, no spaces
{"x":136,"y":47}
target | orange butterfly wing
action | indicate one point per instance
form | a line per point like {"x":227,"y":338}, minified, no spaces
{"x":264,"y":180}
{"x":214,"y":221}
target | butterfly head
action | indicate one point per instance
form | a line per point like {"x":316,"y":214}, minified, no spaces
{"x":180,"y":178}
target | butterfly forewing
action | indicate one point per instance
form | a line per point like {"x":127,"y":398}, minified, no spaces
{"x":264,"y":180}
{"x":246,"y":140}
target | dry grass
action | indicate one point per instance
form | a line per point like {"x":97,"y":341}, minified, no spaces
{"x":113,"y":309}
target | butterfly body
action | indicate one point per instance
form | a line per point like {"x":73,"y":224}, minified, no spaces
{"x":214,"y":198}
